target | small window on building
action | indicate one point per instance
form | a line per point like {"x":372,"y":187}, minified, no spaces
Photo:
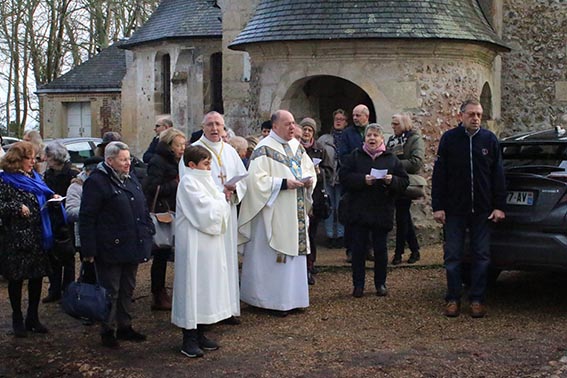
{"x":216,"y":83}
{"x":162,"y":87}
{"x":486,"y":102}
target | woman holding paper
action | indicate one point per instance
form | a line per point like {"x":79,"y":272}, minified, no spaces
{"x":372,"y":178}
{"x":160,"y":188}
{"x":27,"y":233}
{"x":58,"y":177}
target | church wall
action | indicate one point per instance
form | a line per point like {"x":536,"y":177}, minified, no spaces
{"x":398,"y":76}
{"x":239,"y":114}
{"x":190,"y":80}
{"x":534,"y":73}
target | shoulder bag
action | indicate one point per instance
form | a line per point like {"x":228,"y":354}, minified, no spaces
{"x":164,"y":224}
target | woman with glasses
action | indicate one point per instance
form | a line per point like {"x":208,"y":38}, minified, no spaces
{"x":27,"y":234}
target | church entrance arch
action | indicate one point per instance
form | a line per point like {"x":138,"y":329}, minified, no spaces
{"x":319,"y":96}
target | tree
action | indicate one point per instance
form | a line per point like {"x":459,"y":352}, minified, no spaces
{"x":40,"y":39}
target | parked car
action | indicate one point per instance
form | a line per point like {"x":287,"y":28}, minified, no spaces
{"x":534,"y":234}
{"x":7,"y":141}
{"x":79,"y":149}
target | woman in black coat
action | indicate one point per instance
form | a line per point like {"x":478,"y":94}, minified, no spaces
{"x":27,"y":233}
{"x":58,"y":177}
{"x":116,"y":233}
{"x":370,"y":203}
{"x":163,"y":173}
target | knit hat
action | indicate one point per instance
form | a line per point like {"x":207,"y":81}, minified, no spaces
{"x":309,"y":122}
{"x":92,"y":161}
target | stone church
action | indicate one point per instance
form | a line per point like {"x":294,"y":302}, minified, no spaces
{"x":248,"y":58}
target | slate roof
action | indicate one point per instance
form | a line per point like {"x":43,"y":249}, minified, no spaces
{"x":101,"y":73}
{"x":300,"y":20}
{"x":176,"y":19}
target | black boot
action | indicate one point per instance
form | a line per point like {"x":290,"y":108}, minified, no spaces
{"x":397,"y":260}
{"x":204,"y":342}
{"x":33,"y":325}
{"x":18,"y":325}
{"x":190,"y":346}
{"x":414,"y":257}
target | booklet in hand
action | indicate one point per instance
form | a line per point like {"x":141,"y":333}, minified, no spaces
{"x":235,"y":179}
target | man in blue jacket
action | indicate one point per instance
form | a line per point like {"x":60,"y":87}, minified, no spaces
{"x":468,"y":192}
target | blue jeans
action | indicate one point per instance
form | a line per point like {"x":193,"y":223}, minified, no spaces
{"x":455,"y":231}
{"x":333,"y":228}
{"x":359,"y":244}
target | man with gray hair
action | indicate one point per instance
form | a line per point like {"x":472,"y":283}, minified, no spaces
{"x":116,"y":233}
{"x":274,"y":219}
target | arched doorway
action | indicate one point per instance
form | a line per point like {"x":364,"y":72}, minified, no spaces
{"x":319,"y":96}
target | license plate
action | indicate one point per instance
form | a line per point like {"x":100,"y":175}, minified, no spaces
{"x":520,"y":198}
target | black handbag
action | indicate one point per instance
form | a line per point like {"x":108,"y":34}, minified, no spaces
{"x":86,"y":301}
{"x":321,"y":201}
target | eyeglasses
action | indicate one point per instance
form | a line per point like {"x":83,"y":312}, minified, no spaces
{"x":156,"y":126}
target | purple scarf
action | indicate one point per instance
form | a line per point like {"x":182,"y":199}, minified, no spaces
{"x":374,"y":153}
{"x":41,"y":191}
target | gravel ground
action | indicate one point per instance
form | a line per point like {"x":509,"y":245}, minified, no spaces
{"x":402,"y":335}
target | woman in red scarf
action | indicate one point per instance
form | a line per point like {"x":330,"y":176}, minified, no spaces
{"x":27,"y":233}
{"x":372,"y":178}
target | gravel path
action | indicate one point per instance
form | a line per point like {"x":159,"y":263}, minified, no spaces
{"x":402,"y":335}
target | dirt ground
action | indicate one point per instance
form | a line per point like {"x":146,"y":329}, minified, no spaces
{"x":402,"y":335}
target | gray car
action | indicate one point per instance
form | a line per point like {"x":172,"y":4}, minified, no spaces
{"x":534,"y":234}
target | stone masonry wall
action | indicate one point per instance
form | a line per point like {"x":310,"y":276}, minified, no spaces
{"x":534,"y":73}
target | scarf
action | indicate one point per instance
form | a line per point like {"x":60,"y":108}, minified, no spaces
{"x":374,"y":153}
{"x":308,"y":144}
{"x":41,"y":191}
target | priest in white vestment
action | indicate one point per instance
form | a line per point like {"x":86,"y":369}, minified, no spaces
{"x":226,"y":164}
{"x":201,"y":288}
{"x":273,"y":221}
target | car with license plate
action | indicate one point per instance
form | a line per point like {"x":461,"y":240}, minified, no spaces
{"x":533,"y":235}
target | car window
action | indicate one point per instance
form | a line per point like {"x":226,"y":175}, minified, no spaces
{"x":516,"y":155}
{"x":79,"y":151}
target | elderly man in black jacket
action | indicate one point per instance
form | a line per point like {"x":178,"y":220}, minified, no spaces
{"x":116,"y":232}
{"x":468,"y":192}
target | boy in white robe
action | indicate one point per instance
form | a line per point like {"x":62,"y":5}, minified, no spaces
{"x":201,"y":283}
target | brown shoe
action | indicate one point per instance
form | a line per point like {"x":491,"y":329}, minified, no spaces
{"x":161,"y":301}
{"x":478,"y":310}
{"x":452,"y":309}
{"x":358,"y":292}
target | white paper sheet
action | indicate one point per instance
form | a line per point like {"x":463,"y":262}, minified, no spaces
{"x":378,"y":173}
{"x":235,"y":179}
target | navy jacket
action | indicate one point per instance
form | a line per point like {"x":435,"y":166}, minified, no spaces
{"x":149,"y":154}
{"x":462,"y":159}
{"x":350,"y":141}
{"x":371,"y":205}
{"x":114,"y":222}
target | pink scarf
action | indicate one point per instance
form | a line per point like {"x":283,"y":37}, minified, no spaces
{"x":374,"y":153}
{"x":307,"y":145}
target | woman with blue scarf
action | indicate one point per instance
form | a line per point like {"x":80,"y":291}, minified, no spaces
{"x":27,"y":233}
